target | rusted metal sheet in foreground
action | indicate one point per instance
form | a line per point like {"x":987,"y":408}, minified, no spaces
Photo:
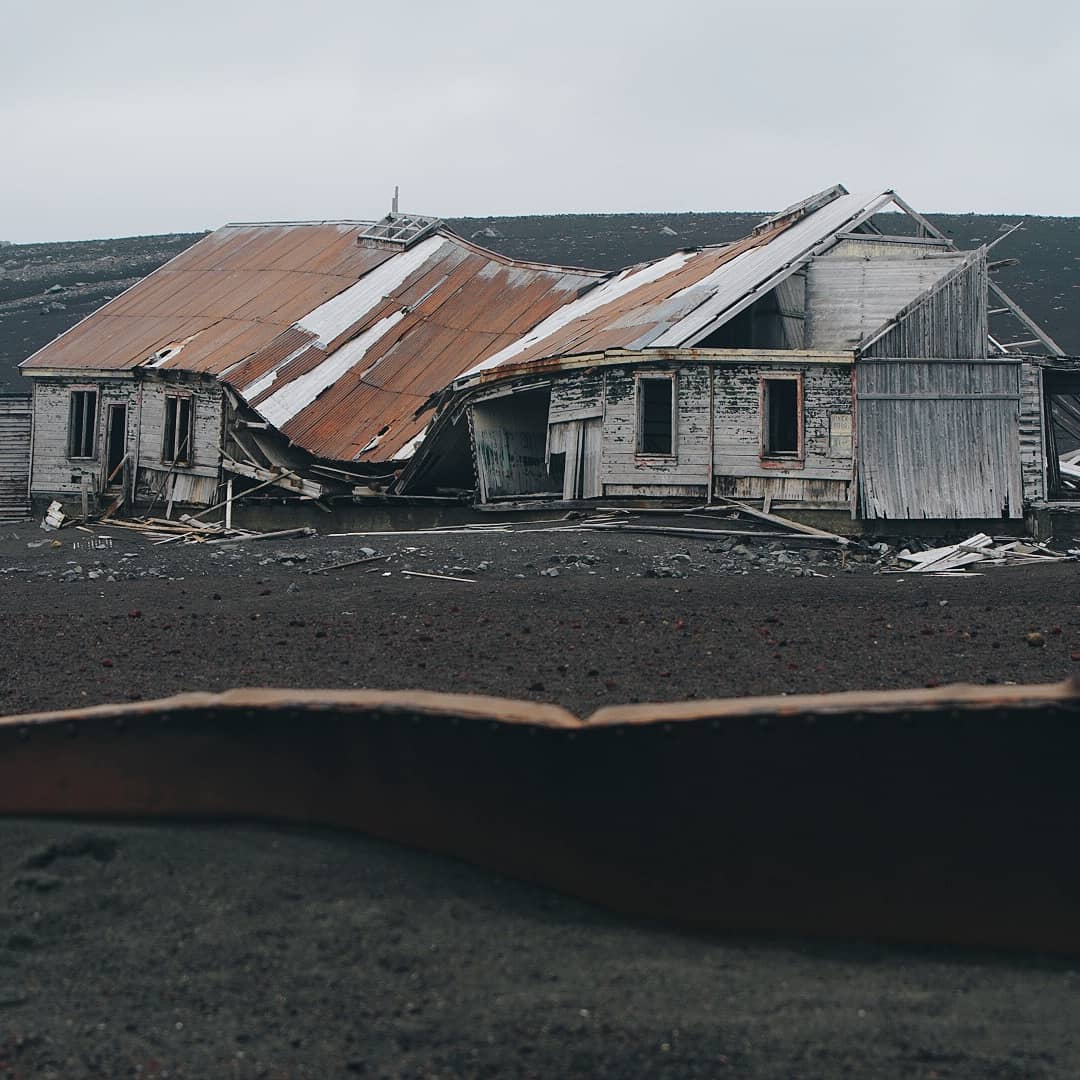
{"x":943,"y":815}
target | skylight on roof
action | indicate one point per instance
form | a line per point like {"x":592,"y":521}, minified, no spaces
{"x":400,"y":229}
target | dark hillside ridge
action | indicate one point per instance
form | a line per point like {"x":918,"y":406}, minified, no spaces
{"x":47,"y":288}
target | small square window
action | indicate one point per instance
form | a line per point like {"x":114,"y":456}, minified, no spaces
{"x":781,"y":416}
{"x":82,"y":423}
{"x":176,"y":443}
{"x":656,"y":416}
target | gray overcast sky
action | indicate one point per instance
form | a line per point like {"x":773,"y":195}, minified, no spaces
{"x":120,"y":117}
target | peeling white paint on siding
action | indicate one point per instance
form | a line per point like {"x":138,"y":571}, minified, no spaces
{"x":298,"y":394}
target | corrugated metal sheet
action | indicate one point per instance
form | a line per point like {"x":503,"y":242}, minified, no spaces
{"x":218,"y":302}
{"x":939,"y":439}
{"x":337,"y":342}
{"x":381,"y":348}
{"x":675,"y":301}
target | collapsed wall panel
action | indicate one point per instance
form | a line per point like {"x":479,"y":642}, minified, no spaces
{"x":510,"y":440}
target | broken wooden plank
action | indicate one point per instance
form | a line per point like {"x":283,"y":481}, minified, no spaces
{"x":943,"y":557}
{"x":776,"y":519}
{"x":281,"y":534}
{"x":670,"y":530}
{"x":350,"y":562}
{"x":309,"y":489}
{"x":243,"y":494}
{"x":438,"y":577}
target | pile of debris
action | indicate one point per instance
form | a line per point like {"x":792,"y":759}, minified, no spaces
{"x":186,"y":528}
{"x":978,"y":550}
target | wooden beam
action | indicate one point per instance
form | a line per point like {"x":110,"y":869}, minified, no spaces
{"x":288,"y":480}
{"x":994,"y":287}
{"x":1034,"y":327}
{"x":775,"y":519}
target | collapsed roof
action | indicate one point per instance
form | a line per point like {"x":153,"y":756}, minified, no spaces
{"x":341,"y":334}
{"x":337,"y":333}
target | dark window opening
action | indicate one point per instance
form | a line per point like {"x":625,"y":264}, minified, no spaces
{"x":557,"y":469}
{"x":176,"y":445}
{"x":116,"y":442}
{"x":82,"y":423}
{"x":1062,"y":396}
{"x":655,"y":421}
{"x":781,"y":407}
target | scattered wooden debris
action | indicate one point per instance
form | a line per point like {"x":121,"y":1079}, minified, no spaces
{"x":349,"y":562}
{"x":438,"y":577}
{"x":978,"y":550}
{"x":787,"y":523}
{"x":190,"y":531}
{"x":54,"y":517}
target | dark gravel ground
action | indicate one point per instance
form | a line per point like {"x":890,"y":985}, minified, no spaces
{"x":250,"y":951}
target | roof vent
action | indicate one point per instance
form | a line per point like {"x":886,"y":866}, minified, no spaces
{"x":398,"y":230}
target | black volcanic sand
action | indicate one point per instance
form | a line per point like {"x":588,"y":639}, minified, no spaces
{"x":257,"y":951}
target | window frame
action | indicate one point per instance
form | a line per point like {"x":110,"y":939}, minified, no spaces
{"x":765,"y":451}
{"x":168,"y":455}
{"x":671,"y":377}
{"x":93,"y":426}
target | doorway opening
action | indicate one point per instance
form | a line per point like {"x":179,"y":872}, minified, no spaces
{"x":115,"y":445}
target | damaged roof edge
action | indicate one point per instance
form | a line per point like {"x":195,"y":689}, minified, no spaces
{"x":609,"y":357}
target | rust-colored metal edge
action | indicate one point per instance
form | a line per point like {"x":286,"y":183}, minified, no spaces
{"x":465,"y":706}
{"x":942,"y":815}
{"x":955,"y":696}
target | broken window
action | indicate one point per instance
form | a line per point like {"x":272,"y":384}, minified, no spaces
{"x":82,"y":423}
{"x":176,"y":444}
{"x":656,"y":415}
{"x":781,"y":416}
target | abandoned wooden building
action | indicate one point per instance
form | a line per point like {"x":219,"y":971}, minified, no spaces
{"x":297,"y":355}
{"x":820,"y":363}
{"x":844,"y":356}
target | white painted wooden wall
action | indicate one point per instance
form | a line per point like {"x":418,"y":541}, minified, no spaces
{"x":54,"y":473}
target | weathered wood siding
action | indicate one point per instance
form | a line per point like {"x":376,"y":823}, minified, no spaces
{"x":1032,"y":432}
{"x":871,"y":248}
{"x":950,"y":322}
{"x":206,"y":399}
{"x":14,"y":456}
{"x":847,"y":300}
{"x":686,"y":471}
{"x":827,"y":392}
{"x":822,"y":475}
{"x":939,"y":439}
{"x":54,"y":473}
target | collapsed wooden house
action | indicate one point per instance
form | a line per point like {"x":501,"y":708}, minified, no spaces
{"x":843,"y":357}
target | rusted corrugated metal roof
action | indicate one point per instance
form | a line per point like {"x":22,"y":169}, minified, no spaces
{"x":336,"y":341}
{"x":339,"y":340}
{"x":349,"y":380}
{"x":221,"y":300}
{"x":675,"y":301}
